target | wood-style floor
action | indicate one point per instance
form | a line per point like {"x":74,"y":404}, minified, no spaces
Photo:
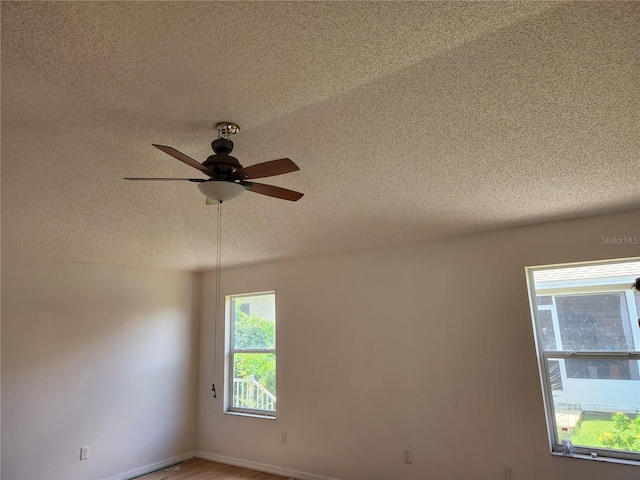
{"x":198,"y":469}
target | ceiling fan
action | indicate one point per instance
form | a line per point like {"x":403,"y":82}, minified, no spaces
{"x":227,"y":177}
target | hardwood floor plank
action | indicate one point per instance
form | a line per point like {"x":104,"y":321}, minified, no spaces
{"x":209,"y":471}
{"x":200,"y":469}
{"x":194,"y":469}
{"x":242,"y":474}
{"x":262,"y":476}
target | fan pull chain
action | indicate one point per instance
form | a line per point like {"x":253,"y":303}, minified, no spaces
{"x":215,"y":316}
{"x":219,"y":252}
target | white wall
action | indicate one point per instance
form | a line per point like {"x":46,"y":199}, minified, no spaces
{"x":427,"y":347}
{"x":99,"y":356}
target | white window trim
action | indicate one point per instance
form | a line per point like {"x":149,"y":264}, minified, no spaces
{"x":228,"y":407}
{"x":602,"y":454}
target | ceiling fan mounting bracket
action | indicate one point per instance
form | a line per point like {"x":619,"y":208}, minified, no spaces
{"x":226,"y":129}
{"x":223,"y":144}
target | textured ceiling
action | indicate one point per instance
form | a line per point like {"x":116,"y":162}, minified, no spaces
{"x":409,"y":121}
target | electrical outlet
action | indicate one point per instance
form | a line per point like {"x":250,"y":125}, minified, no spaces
{"x":508,"y":472}
{"x":408,"y":457}
{"x":84,"y":453}
{"x":284,"y":437}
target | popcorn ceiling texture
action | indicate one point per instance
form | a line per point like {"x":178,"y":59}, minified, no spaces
{"x":409,"y":120}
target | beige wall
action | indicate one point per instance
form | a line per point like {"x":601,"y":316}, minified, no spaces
{"x":426,"y":347}
{"x":99,"y":356}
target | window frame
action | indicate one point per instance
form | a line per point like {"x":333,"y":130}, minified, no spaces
{"x":544,"y":357}
{"x":231,"y":352}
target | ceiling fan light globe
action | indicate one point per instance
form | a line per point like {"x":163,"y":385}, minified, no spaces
{"x":220,"y":191}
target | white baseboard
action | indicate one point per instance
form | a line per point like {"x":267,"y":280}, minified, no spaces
{"x":261,"y":467}
{"x":152,"y":467}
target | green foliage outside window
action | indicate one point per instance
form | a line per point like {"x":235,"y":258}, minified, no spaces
{"x":625,"y":434}
{"x":252,"y":331}
{"x":255,"y":332}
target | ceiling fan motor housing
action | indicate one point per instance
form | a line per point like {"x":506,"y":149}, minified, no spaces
{"x":222,"y":166}
{"x":221,"y":163}
{"x":222,"y":145}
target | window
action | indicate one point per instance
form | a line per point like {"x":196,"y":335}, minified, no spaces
{"x":251,"y":373}
{"x":588,"y":344}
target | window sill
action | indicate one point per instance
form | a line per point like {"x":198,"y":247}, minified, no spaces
{"x":599,"y":458}
{"x":252,"y":415}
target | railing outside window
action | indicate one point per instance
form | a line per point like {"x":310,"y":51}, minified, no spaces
{"x":247,"y":393}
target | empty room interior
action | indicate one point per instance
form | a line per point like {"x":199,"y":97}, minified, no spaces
{"x":320,"y":240}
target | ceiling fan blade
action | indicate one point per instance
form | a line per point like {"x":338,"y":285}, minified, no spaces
{"x":164,"y":179}
{"x":270,"y":169}
{"x":183,"y":158}
{"x":271,"y":191}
